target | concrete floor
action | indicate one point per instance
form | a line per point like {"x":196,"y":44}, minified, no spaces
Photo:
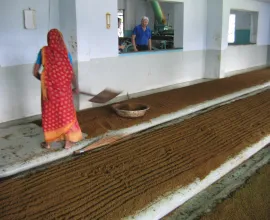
{"x":16,"y":144}
{"x":20,"y":146}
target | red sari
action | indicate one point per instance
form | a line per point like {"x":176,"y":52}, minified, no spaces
{"x":59,"y":119}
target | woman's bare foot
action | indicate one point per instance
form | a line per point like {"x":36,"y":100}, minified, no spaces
{"x":45,"y":145}
{"x":68,"y":145}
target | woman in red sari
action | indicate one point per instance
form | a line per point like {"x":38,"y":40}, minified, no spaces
{"x":59,"y":119}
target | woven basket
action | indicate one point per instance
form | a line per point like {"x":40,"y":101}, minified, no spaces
{"x":130,"y":110}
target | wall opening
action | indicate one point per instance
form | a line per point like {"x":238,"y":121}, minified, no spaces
{"x":243,"y":27}
{"x":165,"y":24}
{"x":121,"y":22}
{"x":231,"y":34}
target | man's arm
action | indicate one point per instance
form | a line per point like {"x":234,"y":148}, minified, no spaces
{"x":149,"y":44}
{"x":150,"y":41}
{"x":134,"y":42}
{"x":134,"y":34}
{"x":121,"y":47}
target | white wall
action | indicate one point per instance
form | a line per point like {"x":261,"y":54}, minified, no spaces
{"x":254,"y":27}
{"x":19,"y":90}
{"x":195,"y":22}
{"x":213,"y":38}
{"x":214,"y":26}
{"x":68,"y":25}
{"x":94,"y":40}
{"x":21,"y":46}
{"x":178,"y":25}
{"x":244,"y":57}
{"x":137,"y":73}
{"x":121,"y":4}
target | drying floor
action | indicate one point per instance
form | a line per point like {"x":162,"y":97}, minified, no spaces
{"x":99,"y":120}
{"x":122,"y":178}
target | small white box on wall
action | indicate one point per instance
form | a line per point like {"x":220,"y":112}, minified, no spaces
{"x":29,"y":19}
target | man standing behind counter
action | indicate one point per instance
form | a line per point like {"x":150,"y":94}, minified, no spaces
{"x":141,"y":36}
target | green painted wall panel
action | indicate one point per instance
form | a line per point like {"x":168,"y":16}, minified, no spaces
{"x":242,"y":37}
{"x":127,"y":33}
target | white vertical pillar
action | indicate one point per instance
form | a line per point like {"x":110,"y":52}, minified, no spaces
{"x":214,"y":38}
{"x":178,"y":25}
{"x":253,"y":27}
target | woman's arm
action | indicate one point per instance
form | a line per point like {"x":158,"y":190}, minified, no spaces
{"x":35,"y":71}
{"x":75,"y":84}
{"x":37,"y":66}
{"x":74,"y":81}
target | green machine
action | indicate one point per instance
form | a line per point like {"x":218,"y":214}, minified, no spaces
{"x":160,"y":26}
{"x":163,"y":35}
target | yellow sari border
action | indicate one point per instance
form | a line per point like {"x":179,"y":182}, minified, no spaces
{"x":63,"y":134}
{"x":43,"y":86}
{"x":51,"y":136}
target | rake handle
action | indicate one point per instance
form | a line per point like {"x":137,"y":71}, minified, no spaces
{"x":88,"y":94}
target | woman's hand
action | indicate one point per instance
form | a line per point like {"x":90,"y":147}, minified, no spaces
{"x":122,"y":47}
{"x":35,"y":71}
{"x":38,"y":76}
{"x":76,"y":91}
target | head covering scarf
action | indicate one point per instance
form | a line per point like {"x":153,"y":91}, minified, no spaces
{"x":58,"y":73}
